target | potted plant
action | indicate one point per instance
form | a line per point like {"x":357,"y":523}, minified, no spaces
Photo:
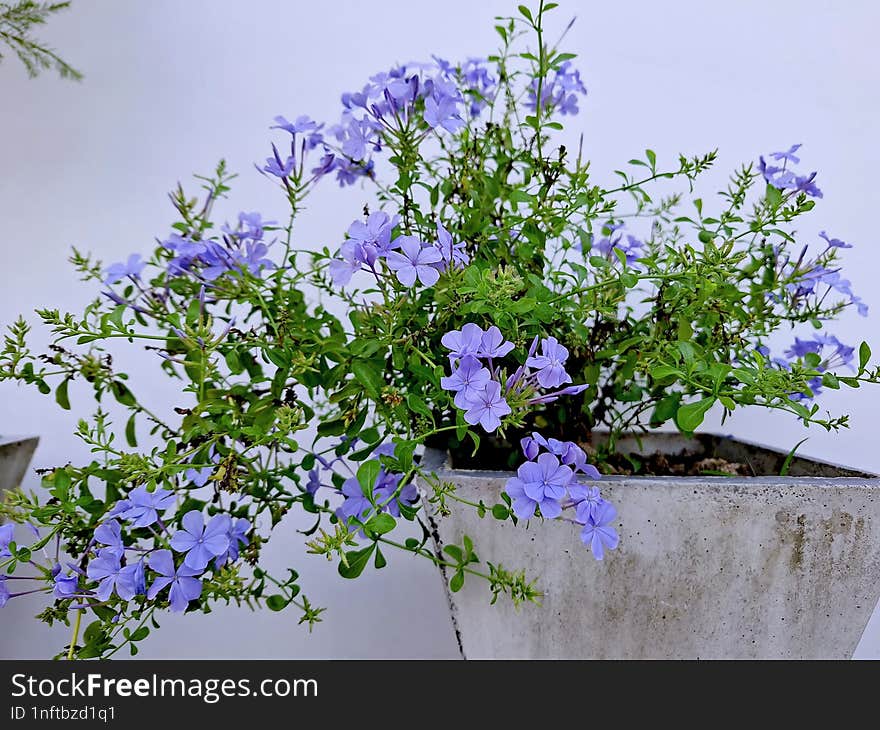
{"x":499,"y":309}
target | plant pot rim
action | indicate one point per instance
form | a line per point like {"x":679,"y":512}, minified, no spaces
{"x":439,"y":461}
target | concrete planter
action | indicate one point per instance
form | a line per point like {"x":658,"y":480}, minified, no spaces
{"x":15,"y":455}
{"x":708,"y":567}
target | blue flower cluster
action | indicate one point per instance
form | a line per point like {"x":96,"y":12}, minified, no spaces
{"x":613,"y":239}
{"x":370,"y":247}
{"x":783,"y":178}
{"x":117,"y":564}
{"x":559,"y":92}
{"x":219,"y":541}
{"x":811,"y":280}
{"x":240,"y":249}
{"x":426,"y":96}
{"x":481,"y":390}
{"x":387,"y":495}
{"x":549,"y":483}
{"x":826,"y":351}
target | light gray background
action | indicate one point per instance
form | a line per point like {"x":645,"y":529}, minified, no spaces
{"x":171,"y":87}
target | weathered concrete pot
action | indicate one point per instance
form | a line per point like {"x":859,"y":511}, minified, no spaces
{"x":708,"y":567}
{"x":15,"y":455}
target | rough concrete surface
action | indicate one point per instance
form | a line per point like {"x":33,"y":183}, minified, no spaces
{"x":15,"y":455}
{"x":707,"y":567}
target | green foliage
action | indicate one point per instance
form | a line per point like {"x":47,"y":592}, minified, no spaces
{"x":257,"y":358}
{"x":17,"y":22}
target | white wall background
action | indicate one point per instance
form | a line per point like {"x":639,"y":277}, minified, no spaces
{"x":171,"y":87}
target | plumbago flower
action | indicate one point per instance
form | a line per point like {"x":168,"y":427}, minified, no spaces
{"x":484,"y":393}
{"x":489,"y":294}
{"x":370,"y":247}
{"x":548,"y":483}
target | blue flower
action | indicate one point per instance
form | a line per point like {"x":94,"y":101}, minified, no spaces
{"x":352,"y":257}
{"x":788,"y":155}
{"x":185,"y":587}
{"x":356,"y":135}
{"x":785,"y":179}
{"x":65,"y":586}
{"x":143,"y":507}
{"x":560,"y":92}
{"x":834,"y":242}
{"x":358,"y":505}
{"x":454,"y":254}
{"x":7,"y":532}
{"x":302,"y":125}
{"x":314,"y":482}
{"x":202,"y":542}
{"x":629,"y":245}
{"x":106,"y":569}
{"x":442,"y":111}
{"x":237,"y":534}
{"x":487,"y":407}
{"x":550,"y":364}
{"x":375,"y":232}
{"x":598,"y":534}
{"x":5,"y":595}
{"x":386,"y":489}
{"x":467,"y":381}
{"x":493,"y":344}
{"x":278,"y":167}
{"x":545,"y":480}
{"x":385,"y":450}
{"x":588,"y":501}
{"x":131,"y":268}
{"x":466,"y":341}
{"x":479,"y":84}
{"x":109,"y":535}
{"x":199,"y":477}
{"x":530,"y":447}
{"x":414,"y":261}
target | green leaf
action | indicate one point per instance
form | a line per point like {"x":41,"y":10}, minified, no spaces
{"x":774,"y":197}
{"x":829,"y":380}
{"x":276,"y":602}
{"x":788,"y":459}
{"x":60,"y":484}
{"x":357,"y":561}
{"x":380,"y":524}
{"x":417,"y":405}
{"x":500,"y":512}
{"x":331,"y":428}
{"x":666,"y":408}
{"x":456,"y":582}
{"x":141,"y":633}
{"x":691,"y":415}
{"x":369,"y":376}
{"x":661,"y":372}
{"x":130,"y":435}
{"x":370,"y":435}
{"x":525,"y":12}
{"x":367,"y":474}
{"x":864,"y":356}
{"x":122,"y":393}
{"x":61,"y":397}
{"x":380,"y":561}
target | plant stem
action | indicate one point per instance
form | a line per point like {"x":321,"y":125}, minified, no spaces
{"x":75,"y":636}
